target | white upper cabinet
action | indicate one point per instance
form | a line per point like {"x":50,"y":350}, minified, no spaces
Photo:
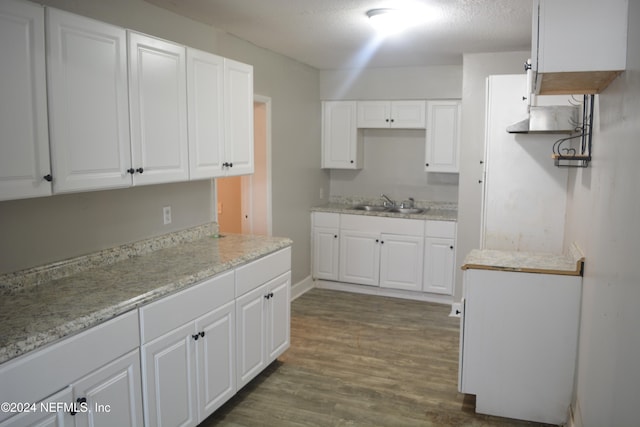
{"x":342,"y":144}
{"x":205,"y":96}
{"x":88,"y":103}
{"x":578,"y":47}
{"x":158,"y":100}
{"x":238,"y":114}
{"x":24,"y":141}
{"x":443,"y":136}
{"x":391,"y":114}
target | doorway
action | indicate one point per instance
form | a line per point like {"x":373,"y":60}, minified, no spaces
{"x":243,"y":203}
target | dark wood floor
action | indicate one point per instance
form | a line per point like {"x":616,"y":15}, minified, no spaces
{"x":358,"y":360}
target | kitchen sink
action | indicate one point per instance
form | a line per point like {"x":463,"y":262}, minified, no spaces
{"x":370,"y":208}
{"x":378,"y":208}
{"x":406,"y":210}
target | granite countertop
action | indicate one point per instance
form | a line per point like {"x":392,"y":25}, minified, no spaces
{"x":435,"y":211}
{"x":570,"y":263}
{"x":45,"y":310}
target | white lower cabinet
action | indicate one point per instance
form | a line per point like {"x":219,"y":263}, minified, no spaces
{"x":112,"y":394}
{"x":393,"y":253}
{"x":262,"y":317}
{"x":188,"y":370}
{"x":92,"y":378}
{"x":439,"y":257}
{"x":45,"y":419}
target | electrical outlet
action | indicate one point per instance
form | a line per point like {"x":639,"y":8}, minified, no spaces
{"x":166,"y":214}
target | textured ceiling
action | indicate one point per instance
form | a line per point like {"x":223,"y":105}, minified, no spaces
{"x":336,"y":34}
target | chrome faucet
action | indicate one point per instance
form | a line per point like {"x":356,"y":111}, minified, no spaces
{"x":409,"y":203}
{"x":388,"y":203}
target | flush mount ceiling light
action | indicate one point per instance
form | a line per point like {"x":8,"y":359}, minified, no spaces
{"x":390,"y":21}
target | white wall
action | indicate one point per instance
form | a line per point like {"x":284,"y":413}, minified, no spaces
{"x":476,"y":68}
{"x":603,"y":213}
{"x":393,"y":159}
{"x":394,"y":165}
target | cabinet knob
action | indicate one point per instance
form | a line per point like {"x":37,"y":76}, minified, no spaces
{"x":195,"y":336}
{"x":427,"y":164}
{"x":481,"y":162}
{"x":139,"y":170}
{"x":527,"y":66}
{"x":382,"y":242}
{"x":392,"y":120}
{"x":451,"y":247}
{"x":267,"y":296}
{"x":387,"y":120}
{"x":335,"y":236}
{"x":131,"y":171}
{"x":351,"y":161}
{"x":479,"y":181}
{"x":79,"y":402}
{"x":48,"y":177}
{"x":230,"y":165}
{"x":201,"y":334}
{"x":377,"y":241}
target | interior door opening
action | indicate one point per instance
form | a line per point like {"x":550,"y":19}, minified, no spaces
{"x":243,"y":203}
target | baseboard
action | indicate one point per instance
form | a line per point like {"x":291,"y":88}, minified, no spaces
{"x":575,"y":417}
{"x":374,"y":290}
{"x":300,"y":288}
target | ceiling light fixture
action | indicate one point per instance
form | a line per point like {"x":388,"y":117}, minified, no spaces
{"x":389,"y":21}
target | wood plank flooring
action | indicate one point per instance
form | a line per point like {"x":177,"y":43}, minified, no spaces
{"x":359,"y":360}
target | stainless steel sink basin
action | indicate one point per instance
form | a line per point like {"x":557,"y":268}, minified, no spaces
{"x":406,"y":210}
{"x":370,"y":208}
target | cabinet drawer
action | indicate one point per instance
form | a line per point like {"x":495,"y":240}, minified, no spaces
{"x":326,"y":219}
{"x":175,"y":310}
{"x":446,"y":229}
{"x":254,"y":274}
{"x":40,"y":373}
{"x":382,"y":224}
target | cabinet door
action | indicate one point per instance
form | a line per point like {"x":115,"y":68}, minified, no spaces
{"x":374,"y":114}
{"x":439,"y":264}
{"x":408,"y":114}
{"x":24,"y":140}
{"x":341,"y":143}
{"x":158,"y":97}
{"x":169,"y":375}
{"x":88,"y":103}
{"x":401,"y":259}
{"x":443,"y":136}
{"x":215,"y":359}
{"x":359,"y":257}
{"x":113,"y":394}
{"x":250,"y":334}
{"x":205,"y":96}
{"x":238,"y":117}
{"x":325,"y":253}
{"x":278,"y":316}
{"x":39,"y":418}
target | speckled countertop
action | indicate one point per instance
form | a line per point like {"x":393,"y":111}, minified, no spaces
{"x":437,"y":211}
{"x":570,"y":263}
{"x":45,"y":308}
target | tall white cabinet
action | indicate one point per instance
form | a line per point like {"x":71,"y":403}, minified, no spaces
{"x":342,"y":144}
{"x":88,"y":103}
{"x":205,"y":96}
{"x":158,"y":100}
{"x":443,"y":136}
{"x":24,"y":140}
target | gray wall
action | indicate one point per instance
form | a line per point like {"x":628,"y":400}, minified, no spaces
{"x":603,"y":212}
{"x":53,"y":228}
{"x":476,"y":68}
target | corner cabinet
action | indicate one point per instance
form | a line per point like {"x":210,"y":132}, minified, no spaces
{"x":158,"y":103}
{"x":443,"y":136}
{"x":439,"y":260}
{"x":391,"y":114}
{"x":519,"y":338}
{"x":580,"y":61}
{"x":342,"y":144}
{"x":263,"y":313}
{"x":24,"y":141}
